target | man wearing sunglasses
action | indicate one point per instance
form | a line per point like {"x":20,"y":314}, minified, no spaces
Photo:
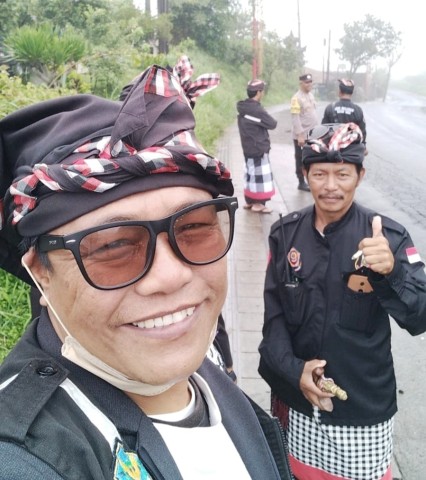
{"x":337,"y":273}
{"x":123,"y":222}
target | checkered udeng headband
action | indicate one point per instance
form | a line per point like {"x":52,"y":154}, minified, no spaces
{"x":343,"y":146}
{"x":102,"y":167}
{"x":183,"y":70}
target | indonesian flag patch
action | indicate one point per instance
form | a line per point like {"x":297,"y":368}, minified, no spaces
{"x":413,"y":255}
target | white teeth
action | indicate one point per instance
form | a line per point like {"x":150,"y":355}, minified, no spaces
{"x":158,"y":322}
{"x":168,"y":319}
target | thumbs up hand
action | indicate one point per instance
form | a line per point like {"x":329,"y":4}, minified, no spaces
{"x":377,"y":254}
{"x":377,"y":226}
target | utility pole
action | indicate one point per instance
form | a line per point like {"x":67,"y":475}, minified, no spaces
{"x":323,"y":60}
{"x":257,"y":64}
{"x":162,"y":7}
{"x":328,"y":58}
{"x":298,"y":25}
{"x":255,"y":40}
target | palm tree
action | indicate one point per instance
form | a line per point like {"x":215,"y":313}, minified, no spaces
{"x":45,"y":54}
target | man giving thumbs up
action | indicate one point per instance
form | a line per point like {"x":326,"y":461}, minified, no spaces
{"x":337,"y":273}
{"x":376,"y":251}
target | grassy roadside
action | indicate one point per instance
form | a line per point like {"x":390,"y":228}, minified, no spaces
{"x":216,"y":110}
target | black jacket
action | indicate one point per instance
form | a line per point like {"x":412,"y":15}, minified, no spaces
{"x":253,"y":124}
{"x":45,"y":434}
{"x":310,"y":312}
{"x":345,"y":111}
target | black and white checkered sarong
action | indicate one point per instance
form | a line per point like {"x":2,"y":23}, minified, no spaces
{"x":258,"y":178}
{"x":358,"y":453}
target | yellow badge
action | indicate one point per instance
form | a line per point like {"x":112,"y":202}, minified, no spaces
{"x":295,"y":106}
{"x":128,"y":465}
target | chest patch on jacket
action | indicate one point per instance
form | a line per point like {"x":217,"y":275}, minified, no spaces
{"x":128,"y":466}
{"x":294,"y":259}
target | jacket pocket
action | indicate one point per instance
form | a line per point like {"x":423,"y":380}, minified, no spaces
{"x":293,"y":301}
{"x":359,"y":311}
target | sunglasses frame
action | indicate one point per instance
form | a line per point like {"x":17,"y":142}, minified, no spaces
{"x":47,"y":243}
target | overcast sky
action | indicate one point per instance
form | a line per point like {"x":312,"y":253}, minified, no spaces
{"x":317,"y":18}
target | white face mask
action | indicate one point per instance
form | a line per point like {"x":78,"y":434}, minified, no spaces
{"x":76,"y":353}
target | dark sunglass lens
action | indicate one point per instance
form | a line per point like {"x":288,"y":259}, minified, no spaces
{"x":203,"y":234}
{"x":115,"y":256}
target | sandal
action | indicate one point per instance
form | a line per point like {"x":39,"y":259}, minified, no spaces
{"x":247,"y":206}
{"x":259,"y":208}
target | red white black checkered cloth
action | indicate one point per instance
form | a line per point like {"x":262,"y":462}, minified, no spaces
{"x":183,"y":70}
{"x":345,"y":145}
{"x":346,"y":134}
{"x":347,"y":452}
{"x":102,"y":167}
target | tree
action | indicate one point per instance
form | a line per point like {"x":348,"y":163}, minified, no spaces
{"x":293,"y":55}
{"x":390,"y":49}
{"x":280,"y":54}
{"x":64,"y":13}
{"x":207,"y":23}
{"x":368,"y":40}
{"x":359,"y":44}
{"x":44,"y":52}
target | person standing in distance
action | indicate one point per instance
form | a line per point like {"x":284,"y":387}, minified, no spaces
{"x":253,"y":124}
{"x":345,"y":110}
{"x":338,"y":275}
{"x":303,"y":117}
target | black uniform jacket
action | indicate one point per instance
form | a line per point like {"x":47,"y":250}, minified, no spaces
{"x":44,"y":435}
{"x":310,"y":312}
{"x":345,"y":111}
{"x":253,"y":123}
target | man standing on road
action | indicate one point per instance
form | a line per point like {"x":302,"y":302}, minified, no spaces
{"x":253,"y":124}
{"x":344,"y":110}
{"x":337,"y":273}
{"x":304,"y":117}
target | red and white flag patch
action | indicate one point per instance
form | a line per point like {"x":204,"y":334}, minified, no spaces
{"x":413,"y":255}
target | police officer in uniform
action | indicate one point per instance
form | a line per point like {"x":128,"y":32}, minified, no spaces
{"x":304,"y":117}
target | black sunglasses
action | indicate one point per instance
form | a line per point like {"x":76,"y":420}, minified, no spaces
{"x":323,"y":132}
{"x":119,"y":254}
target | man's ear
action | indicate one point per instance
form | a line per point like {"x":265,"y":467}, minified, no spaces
{"x":360,"y":176}
{"x":305,"y":173}
{"x":39,"y":271}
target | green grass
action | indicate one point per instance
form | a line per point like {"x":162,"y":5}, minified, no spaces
{"x":14,"y":311}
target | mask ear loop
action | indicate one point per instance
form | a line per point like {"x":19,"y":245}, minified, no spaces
{"x":80,"y":356}
{"x":30,"y":273}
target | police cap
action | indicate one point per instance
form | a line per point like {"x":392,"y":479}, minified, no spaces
{"x":307,"y":77}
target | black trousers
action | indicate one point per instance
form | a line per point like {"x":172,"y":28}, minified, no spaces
{"x":298,"y":158}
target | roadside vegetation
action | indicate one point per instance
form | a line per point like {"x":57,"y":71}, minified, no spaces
{"x":50,"y":48}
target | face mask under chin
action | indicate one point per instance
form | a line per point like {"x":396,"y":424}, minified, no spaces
{"x":76,"y":353}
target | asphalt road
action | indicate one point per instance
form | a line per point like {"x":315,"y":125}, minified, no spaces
{"x":394,"y":185}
